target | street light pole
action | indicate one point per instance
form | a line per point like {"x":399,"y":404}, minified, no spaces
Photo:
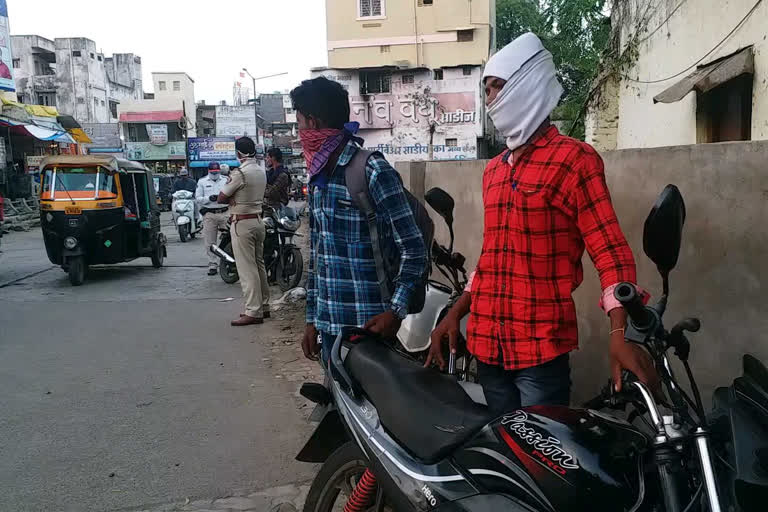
{"x":255,"y":110}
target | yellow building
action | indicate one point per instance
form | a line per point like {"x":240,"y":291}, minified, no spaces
{"x":413,"y":69}
{"x":409,"y":33}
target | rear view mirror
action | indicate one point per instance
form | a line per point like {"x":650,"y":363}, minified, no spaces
{"x":663,"y":231}
{"x":442,"y":202}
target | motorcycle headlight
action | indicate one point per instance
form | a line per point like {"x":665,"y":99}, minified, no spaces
{"x":291,"y":225}
{"x":70,"y":242}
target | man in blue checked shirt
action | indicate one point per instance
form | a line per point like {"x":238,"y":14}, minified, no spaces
{"x":342,"y":288}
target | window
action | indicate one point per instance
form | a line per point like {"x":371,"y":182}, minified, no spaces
{"x":161,"y":85}
{"x":16,"y":63}
{"x":93,"y":56}
{"x":725,"y":113}
{"x":422,"y":3}
{"x":438,"y":74}
{"x":99,"y":58}
{"x":76,"y":53}
{"x":95,"y":105}
{"x":464,"y":36}
{"x":176,"y":85}
{"x":103,"y":103}
{"x":289,"y":111}
{"x":385,"y":48}
{"x":408,"y":79}
{"x":451,"y":143}
{"x":375,"y":82}
{"x":466,"y":70}
{"x":113,"y":109}
{"x":370,"y":8}
{"x":46,"y":98}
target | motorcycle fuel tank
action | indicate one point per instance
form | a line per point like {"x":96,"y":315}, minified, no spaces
{"x":557,"y":458}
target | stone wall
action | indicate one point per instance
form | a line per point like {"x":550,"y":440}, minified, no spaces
{"x":721,"y":275}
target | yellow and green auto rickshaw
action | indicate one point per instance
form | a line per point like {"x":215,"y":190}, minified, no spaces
{"x":98,"y":210}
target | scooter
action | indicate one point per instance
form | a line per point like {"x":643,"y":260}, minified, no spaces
{"x":396,"y":436}
{"x":183,"y":208}
{"x":282,"y":258}
{"x":415,"y":330}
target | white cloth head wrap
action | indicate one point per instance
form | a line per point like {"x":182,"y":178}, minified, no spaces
{"x":531,"y":92}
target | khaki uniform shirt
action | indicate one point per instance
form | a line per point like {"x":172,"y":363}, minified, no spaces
{"x":246,"y":188}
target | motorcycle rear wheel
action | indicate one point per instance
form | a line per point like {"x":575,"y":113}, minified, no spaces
{"x":227,"y":270}
{"x":336,"y":480}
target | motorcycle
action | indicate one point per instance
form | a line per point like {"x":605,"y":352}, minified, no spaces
{"x":413,"y":336}
{"x":184,"y":219}
{"x":282,"y":258}
{"x":396,"y":436}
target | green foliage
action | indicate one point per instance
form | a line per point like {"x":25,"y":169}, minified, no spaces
{"x":575,"y":31}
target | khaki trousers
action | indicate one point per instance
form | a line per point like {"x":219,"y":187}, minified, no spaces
{"x":248,"y":247}
{"x":211,"y":224}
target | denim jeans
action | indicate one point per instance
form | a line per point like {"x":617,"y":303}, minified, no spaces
{"x":327,"y":340}
{"x":508,"y":390}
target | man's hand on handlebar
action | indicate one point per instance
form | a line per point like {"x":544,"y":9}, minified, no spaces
{"x":448,"y":328}
{"x":628,"y":356}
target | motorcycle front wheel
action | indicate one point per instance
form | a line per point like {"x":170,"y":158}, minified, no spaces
{"x":183,"y":232}
{"x":290,"y":266}
{"x":336,"y":480}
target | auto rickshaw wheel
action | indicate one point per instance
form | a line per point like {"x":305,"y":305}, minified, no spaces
{"x":158,"y":255}
{"x":76,"y":270}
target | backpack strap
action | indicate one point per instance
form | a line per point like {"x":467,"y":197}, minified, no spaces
{"x":357,"y":186}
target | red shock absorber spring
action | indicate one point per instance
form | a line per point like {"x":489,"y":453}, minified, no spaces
{"x":363,"y":495}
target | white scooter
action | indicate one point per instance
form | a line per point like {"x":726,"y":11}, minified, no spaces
{"x":184,"y":218}
{"x":414,"y":333}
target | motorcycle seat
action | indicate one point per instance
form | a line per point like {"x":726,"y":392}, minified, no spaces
{"x":426,"y":411}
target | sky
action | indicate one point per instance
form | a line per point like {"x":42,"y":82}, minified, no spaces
{"x":211,"y":41}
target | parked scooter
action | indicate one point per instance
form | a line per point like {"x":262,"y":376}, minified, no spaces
{"x":184,"y":217}
{"x":414,"y":333}
{"x":396,"y":436}
{"x":282,"y":258}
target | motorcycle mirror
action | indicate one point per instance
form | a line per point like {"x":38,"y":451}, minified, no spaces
{"x":663,"y":230}
{"x":442,"y":202}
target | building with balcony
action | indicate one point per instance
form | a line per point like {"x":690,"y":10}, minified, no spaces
{"x":413,"y":69}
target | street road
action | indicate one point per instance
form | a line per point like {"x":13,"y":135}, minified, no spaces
{"x":133,"y":390}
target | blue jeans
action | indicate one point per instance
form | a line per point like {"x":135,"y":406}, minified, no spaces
{"x":509,"y":390}
{"x":326,"y":346}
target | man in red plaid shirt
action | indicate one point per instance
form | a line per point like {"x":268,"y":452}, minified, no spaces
{"x":545,"y":201}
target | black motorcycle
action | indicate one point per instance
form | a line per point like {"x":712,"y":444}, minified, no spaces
{"x":396,"y":436}
{"x":282,"y":258}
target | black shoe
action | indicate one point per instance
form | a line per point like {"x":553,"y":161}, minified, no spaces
{"x":212,"y":271}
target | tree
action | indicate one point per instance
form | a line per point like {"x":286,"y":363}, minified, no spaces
{"x":576,"y":32}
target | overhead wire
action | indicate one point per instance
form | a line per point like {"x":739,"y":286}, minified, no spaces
{"x":728,"y":36}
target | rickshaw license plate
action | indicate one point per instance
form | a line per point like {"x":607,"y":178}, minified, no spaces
{"x":73,"y":210}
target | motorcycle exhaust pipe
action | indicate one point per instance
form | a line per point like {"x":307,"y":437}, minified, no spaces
{"x":215,"y":249}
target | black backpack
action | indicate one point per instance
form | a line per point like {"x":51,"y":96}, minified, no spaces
{"x":388,"y":258}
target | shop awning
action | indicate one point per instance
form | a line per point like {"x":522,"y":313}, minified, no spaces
{"x":709,"y":76}
{"x":70,"y":124}
{"x":151,"y":117}
{"x":204,"y":163}
{"x":42,"y":122}
{"x":50,"y":132}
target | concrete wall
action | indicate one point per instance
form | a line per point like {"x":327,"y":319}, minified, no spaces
{"x":696,"y":27}
{"x":419,"y":35}
{"x":186,"y":94}
{"x":721,"y":276}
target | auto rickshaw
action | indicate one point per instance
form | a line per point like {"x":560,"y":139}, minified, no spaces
{"x":98,"y":210}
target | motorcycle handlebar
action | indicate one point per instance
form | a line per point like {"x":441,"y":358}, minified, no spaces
{"x":626,"y":294}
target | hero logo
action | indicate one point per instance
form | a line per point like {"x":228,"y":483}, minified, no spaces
{"x":427,"y":492}
{"x":546,"y":450}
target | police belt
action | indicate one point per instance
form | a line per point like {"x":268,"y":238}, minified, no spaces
{"x":214,"y":210}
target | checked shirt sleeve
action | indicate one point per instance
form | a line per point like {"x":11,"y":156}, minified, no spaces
{"x":386,"y":190}
{"x":311,"y":312}
{"x":599,"y":225}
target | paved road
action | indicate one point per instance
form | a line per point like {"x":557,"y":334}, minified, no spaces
{"x":133,"y":390}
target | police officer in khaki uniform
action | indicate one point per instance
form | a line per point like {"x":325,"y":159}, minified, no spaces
{"x":245,"y":193}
